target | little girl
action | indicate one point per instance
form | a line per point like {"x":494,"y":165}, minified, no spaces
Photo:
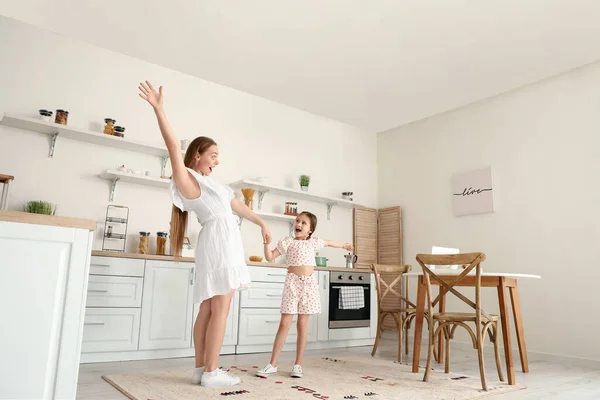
{"x":301,"y":289}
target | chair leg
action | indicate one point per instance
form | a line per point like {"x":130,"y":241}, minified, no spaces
{"x":447,"y":336}
{"x":376,"y":344}
{"x":497,"y":353}
{"x":480,"y":356}
{"x":406,"y":341}
{"x":429,"y":352}
{"x":400,"y":337}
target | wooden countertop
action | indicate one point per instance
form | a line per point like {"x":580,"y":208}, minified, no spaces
{"x":52,"y":220}
{"x":191,"y":259}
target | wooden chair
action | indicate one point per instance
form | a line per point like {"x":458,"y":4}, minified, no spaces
{"x":448,"y":322}
{"x":390,"y":301}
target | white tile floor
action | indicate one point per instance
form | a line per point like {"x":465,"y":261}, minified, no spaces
{"x":546,"y":380}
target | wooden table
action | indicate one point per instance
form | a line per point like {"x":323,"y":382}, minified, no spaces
{"x":501,"y":281}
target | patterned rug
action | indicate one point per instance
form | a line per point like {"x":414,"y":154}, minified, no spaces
{"x":326,"y":378}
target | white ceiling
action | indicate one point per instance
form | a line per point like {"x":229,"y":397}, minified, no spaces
{"x":374,"y":64}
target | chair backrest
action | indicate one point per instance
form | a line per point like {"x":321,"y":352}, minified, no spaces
{"x":469,"y":261}
{"x":388,"y":280}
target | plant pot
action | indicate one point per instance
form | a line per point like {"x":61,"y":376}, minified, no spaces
{"x":304,"y":188}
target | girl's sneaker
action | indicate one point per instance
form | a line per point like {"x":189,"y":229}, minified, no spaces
{"x":267,"y":370}
{"x":218,"y":377}
{"x":296,"y":372}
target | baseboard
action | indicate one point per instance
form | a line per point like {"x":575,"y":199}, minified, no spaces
{"x":538,"y":356}
{"x":267,"y":348}
{"x":87,"y":358}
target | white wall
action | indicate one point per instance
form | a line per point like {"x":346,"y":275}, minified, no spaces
{"x":256,"y":137}
{"x":543,"y":143}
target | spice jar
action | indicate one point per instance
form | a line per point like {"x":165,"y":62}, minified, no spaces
{"x":61,"y":117}
{"x":46,"y":115}
{"x":109,"y":128}
{"x":143,"y":245}
{"x":161,"y":243}
{"x":119,"y":131}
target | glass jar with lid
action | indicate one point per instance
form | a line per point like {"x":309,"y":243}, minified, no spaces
{"x":143,"y":244}
{"x":161,"y":243}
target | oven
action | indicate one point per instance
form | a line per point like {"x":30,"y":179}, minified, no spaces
{"x":355,"y":311}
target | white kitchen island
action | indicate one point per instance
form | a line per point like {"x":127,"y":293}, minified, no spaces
{"x":44,"y":267}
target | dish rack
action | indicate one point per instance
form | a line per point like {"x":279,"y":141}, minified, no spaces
{"x":116,"y":217}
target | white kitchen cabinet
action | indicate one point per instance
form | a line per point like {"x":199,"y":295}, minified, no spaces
{"x":111,"y":329}
{"x":42,"y":295}
{"x":262,"y":295}
{"x":114,"y":291}
{"x":323,"y":318}
{"x":231,"y":331}
{"x":117,"y":266}
{"x":259,"y":326}
{"x":166,"y":321}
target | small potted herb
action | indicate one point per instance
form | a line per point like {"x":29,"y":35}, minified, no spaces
{"x":304,"y":182}
{"x":40,"y":207}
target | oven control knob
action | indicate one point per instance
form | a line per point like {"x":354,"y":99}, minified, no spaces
{"x":350,"y":277}
{"x":360,"y":278}
{"x":340,"y":277}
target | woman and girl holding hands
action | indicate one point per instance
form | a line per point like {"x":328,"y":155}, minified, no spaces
{"x":220,"y":263}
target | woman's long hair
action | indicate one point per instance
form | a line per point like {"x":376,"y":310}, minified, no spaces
{"x":179,"y":218}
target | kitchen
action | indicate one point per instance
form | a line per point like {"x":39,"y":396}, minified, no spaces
{"x":69,"y":170}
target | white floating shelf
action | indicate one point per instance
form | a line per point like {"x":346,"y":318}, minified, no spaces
{"x":83,"y":135}
{"x":290,"y":219}
{"x":116,"y":176}
{"x":275,"y":216}
{"x":263,"y":188}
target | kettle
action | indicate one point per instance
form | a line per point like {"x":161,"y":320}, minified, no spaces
{"x":350,"y":260}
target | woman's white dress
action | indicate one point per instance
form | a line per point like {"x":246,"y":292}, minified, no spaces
{"x":220,"y":261}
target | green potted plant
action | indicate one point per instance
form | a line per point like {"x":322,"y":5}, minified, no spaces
{"x":40,"y":207}
{"x":304,"y":182}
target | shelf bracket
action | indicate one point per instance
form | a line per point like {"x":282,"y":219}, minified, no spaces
{"x":329,"y":207}
{"x":163,"y":166}
{"x":53,"y":144}
{"x":113,"y":186}
{"x":261,"y":194}
{"x":291,"y":229}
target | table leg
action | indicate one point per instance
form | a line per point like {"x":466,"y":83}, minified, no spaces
{"x":421,"y":293}
{"x":516,"y":308}
{"x":503,"y":303}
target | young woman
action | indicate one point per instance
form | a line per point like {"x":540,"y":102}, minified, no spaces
{"x":220,"y":263}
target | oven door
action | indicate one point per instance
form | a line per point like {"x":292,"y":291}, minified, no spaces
{"x":348,"y":318}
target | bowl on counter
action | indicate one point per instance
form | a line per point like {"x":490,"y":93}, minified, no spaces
{"x":255,"y":258}
{"x":321,"y":261}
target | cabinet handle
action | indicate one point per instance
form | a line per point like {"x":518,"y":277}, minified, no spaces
{"x":273,"y":295}
{"x":272,"y":322}
{"x":94,"y":323}
{"x":325,"y":282}
{"x":97,"y":291}
{"x":101,"y":265}
{"x":192,"y":276}
{"x":276,"y":274}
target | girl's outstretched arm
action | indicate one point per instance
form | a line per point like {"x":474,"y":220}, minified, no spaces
{"x":339,"y":245}
{"x":185,"y":182}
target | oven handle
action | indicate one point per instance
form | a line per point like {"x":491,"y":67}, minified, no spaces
{"x":339,"y":287}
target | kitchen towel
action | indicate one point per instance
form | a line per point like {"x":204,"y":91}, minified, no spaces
{"x":351,"y":298}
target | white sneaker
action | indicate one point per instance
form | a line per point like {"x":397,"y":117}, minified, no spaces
{"x":267,"y":370}
{"x":296,"y":372}
{"x":218,"y":377}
